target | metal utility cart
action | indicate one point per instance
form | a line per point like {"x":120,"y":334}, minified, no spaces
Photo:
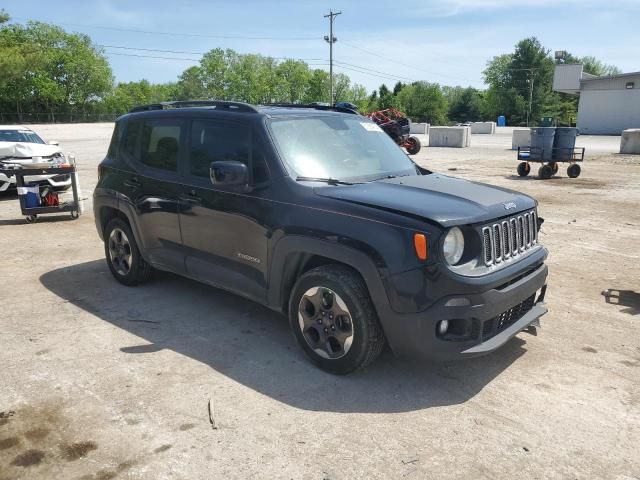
{"x":31,"y":213}
{"x":549,"y":165}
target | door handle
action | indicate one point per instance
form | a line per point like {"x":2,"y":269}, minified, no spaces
{"x":192,"y":196}
{"x":133,"y":182}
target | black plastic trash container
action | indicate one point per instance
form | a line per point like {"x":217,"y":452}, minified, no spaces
{"x":542,"y":139}
{"x":564,"y":142}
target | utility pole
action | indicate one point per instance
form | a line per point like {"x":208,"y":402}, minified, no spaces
{"x":330,"y":39}
{"x":532,"y":73}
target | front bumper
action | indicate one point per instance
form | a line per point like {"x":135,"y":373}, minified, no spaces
{"x":480,"y":322}
{"x":54,"y":180}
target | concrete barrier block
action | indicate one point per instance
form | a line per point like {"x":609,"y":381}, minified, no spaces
{"x":521,"y":138}
{"x":483,"y":127}
{"x":630,"y":141}
{"x":458,"y":137}
{"x":419,"y":128}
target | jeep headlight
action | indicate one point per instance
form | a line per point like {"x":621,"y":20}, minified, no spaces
{"x":453,"y":246}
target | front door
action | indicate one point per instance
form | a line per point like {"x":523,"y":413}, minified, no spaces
{"x":224,"y":231}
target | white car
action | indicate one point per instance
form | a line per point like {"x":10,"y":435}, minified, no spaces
{"x":21,"y":146}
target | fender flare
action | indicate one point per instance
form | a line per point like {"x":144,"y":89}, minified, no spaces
{"x":285,"y":258}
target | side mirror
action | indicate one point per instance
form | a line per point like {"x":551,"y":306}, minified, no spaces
{"x":229,"y":174}
{"x":54,"y":142}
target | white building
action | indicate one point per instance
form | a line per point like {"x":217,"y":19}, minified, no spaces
{"x":608,"y":105}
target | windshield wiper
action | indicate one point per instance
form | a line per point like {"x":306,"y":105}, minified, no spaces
{"x":330,"y":181}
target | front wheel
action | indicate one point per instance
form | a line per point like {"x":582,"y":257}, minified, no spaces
{"x":123,"y":256}
{"x":523,"y":169}
{"x":334,"y":321}
{"x":545,"y":172}
{"x":412,"y":145}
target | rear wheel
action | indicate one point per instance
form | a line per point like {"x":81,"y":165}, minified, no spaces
{"x":412,"y":145}
{"x":573,"y":170}
{"x":123,"y":256}
{"x":523,"y":169}
{"x":545,"y":172}
{"x":554,"y":167}
{"x":334,"y":321}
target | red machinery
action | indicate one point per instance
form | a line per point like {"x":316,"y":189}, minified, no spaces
{"x":396,"y":125}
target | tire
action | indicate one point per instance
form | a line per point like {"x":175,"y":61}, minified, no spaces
{"x":130,"y":269}
{"x":545,"y":172}
{"x":523,"y":169}
{"x":412,"y":145}
{"x":574,"y":170}
{"x":342,"y":308}
{"x":554,"y":167}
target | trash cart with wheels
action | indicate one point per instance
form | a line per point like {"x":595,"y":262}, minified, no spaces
{"x":549,"y":161}
{"x":32,"y":201}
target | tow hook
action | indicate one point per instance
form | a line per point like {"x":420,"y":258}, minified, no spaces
{"x":532,"y":329}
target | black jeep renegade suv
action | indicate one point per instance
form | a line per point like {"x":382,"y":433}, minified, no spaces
{"x":316,"y":213}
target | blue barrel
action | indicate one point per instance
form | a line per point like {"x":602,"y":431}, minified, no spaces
{"x":501,"y":121}
{"x":542,"y":143}
{"x":564,"y":142}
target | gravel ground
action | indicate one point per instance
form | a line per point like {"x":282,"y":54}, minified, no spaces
{"x":99,"y":381}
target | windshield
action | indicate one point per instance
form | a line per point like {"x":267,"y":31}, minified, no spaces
{"x":24,"y":136}
{"x":339,"y":147}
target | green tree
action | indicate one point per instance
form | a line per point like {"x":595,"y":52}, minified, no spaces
{"x":318,"y":88}
{"x":46,"y":68}
{"x":465,"y":104}
{"x":424,"y":102}
{"x":292,"y":78}
{"x":520,"y":83}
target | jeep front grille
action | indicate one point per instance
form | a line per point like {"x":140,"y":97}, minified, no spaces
{"x":509,"y":238}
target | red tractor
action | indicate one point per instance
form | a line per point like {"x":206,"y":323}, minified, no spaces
{"x":396,"y":125}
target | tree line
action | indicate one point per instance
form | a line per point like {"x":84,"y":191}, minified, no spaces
{"x":60,"y":74}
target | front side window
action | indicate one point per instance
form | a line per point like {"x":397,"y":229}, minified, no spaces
{"x":214,"y":141}
{"x":339,"y":147}
{"x":160,"y":141}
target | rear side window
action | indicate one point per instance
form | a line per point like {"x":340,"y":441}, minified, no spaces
{"x":130,"y":137}
{"x":160,"y":142}
{"x":115,"y":139}
{"x":214,"y":141}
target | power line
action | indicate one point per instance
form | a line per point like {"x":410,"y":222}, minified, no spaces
{"x":397,"y":77}
{"x":178,"y":34}
{"x":197,"y":53}
{"x":175,"y":58}
{"x":398,"y":62}
{"x":384,"y":77}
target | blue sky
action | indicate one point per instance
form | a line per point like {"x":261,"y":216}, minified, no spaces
{"x":444,"y":41}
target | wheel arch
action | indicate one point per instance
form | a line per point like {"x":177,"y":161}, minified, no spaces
{"x":295,"y":255}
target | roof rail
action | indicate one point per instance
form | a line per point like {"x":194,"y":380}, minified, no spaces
{"x":314,"y":105}
{"x":218,"y":104}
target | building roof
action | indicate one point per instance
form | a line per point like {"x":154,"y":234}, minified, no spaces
{"x":593,"y":78}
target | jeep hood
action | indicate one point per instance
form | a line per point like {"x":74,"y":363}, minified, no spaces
{"x":27,"y":150}
{"x":446,"y":200}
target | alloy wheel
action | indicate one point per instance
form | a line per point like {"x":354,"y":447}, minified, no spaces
{"x":325,"y":322}
{"x":120,"y":251}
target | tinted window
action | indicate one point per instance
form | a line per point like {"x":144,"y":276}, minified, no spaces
{"x":160,"y":143}
{"x":115,"y":138}
{"x":213,"y":141}
{"x":130,"y":138}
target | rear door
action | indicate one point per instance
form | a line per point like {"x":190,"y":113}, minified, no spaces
{"x":153,"y":146}
{"x":224,"y":231}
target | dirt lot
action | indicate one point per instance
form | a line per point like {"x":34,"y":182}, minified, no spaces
{"x":99,"y":381}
